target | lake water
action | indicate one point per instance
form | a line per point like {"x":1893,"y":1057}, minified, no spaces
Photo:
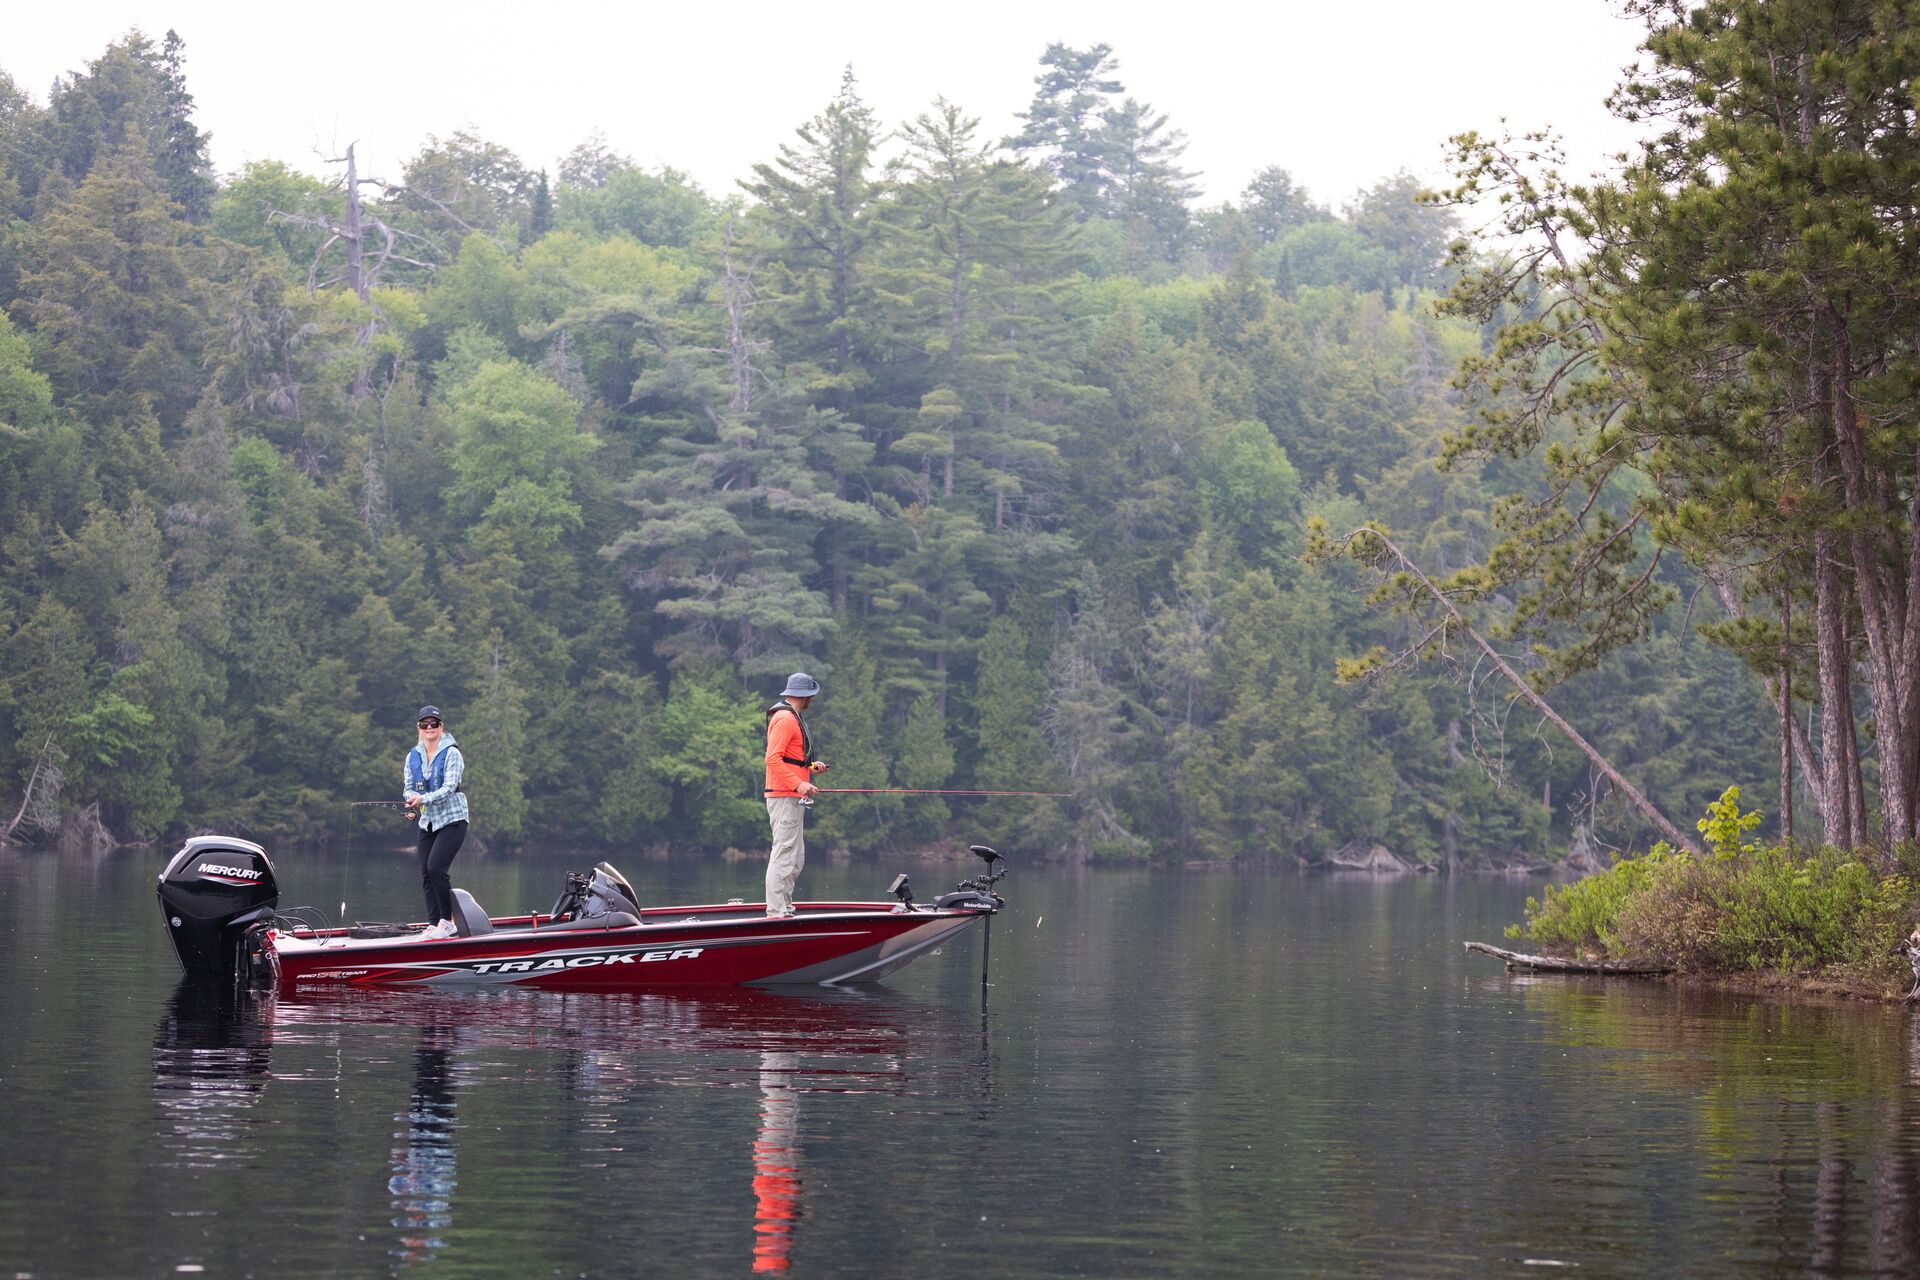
{"x":1175,"y":1073}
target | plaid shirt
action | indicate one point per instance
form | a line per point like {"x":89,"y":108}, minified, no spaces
{"x":449,"y":803}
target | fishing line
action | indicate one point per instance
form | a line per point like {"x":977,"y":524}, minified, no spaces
{"x":932,"y":791}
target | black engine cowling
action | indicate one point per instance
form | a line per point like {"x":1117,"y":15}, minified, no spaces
{"x":212,"y":892}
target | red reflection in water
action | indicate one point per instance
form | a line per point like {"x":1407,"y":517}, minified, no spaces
{"x":776,"y":1164}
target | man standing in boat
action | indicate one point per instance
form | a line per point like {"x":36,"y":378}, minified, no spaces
{"x":790,"y":768}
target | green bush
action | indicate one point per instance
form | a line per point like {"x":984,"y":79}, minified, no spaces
{"x":1772,"y":909}
{"x":1746,"y":908}
{"x":1769,"y":909}
{"x":1582,"y":917}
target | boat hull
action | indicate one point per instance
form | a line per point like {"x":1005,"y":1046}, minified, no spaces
{"x":823,"y":944}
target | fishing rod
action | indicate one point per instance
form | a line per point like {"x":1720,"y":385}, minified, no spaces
{"x":932,"y":791}
{"x":378,"y":804}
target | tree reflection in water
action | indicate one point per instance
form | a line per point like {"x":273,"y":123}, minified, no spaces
{"x":424,"y":1174}
{"x":1821,"y":1095}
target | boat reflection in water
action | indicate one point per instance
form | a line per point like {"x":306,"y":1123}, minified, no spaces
{"x":211,"y":1055}
{"x":614,"y":1051}
{"x":614,"y":1063}
{"x":712,"y":1020}
{"x":424,"y":1174}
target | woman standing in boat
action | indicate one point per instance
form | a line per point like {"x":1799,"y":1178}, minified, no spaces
{"x":432,"y":777}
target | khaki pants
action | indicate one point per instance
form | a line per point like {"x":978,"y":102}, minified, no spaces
{"x":788,"y":817}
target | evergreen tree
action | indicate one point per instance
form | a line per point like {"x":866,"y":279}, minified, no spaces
{"x":1011,"y":752}
{"x":848,"y":725}
{"x":628,"y":798}
{"x":819,"y":201}
{"x":1066,"y":124}
{"x":923,"y":758}
{"x":495,"y":746}
{"x":114,"y":301}
{"x":1414,"y":236}
{"x":1150,"y":191}
{"x":1275,"y":204}
{"x":180,"y":154}
{"x":712,"y":742}
{"x":540,"y":215}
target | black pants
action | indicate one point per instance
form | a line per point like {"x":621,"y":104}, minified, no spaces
{"x":436,"y":858}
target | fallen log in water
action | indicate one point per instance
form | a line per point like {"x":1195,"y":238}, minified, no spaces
{"x":1554,"y":964}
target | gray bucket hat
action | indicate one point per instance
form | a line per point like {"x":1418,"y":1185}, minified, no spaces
{"x":800,"y":685}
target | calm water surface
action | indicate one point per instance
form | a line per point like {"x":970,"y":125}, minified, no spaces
{"x":1176,"y":1073}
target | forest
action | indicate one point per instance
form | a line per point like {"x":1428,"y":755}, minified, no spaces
{"x":1026,"y":453}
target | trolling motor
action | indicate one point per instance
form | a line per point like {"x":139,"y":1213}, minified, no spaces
{"x":978,"y":891}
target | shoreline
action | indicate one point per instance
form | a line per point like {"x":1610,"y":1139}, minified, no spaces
{"x":1799,"y":987}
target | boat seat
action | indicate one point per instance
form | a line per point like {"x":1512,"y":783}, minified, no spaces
{"x":468,"y":919}
{"x":605,"y":920}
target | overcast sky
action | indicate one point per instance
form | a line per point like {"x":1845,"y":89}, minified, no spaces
{"x":1341,"y":94}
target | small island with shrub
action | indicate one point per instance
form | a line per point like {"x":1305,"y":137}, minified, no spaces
{"x":1749,"y":914}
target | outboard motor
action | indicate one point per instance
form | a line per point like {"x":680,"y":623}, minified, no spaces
{"x":215,"y":890}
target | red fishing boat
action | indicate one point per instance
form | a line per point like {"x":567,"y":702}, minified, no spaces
{"x":220,"y":901}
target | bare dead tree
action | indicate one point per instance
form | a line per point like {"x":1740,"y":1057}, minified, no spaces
{"x":40,"y":805}
{"x":370,"y":241}
{"x":737,"y":285}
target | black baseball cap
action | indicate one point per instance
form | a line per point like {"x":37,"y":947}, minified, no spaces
{"x":430,"y":711}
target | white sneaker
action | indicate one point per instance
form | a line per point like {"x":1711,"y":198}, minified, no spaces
{"x":443,"y":929}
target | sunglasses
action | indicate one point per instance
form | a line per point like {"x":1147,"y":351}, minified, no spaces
{"x":429,"y":724}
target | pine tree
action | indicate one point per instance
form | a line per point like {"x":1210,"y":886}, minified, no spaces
{"x":540,"y":214}
{"x":1735,"y":312}
{"x":115,"y":302}
{"x":1150,"y":191}
{"x":1275,"y":204}
{"x":848,"y":726}
{"x":495,"y":747}
{"x":818,"y":201}
{"x":1065,"y":125}
{"x":730,"y":500}
{"x":923,"y":758}
{"x":181,"y":148}
{"x":1011,"y":752}
{"x":628,"y":799}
